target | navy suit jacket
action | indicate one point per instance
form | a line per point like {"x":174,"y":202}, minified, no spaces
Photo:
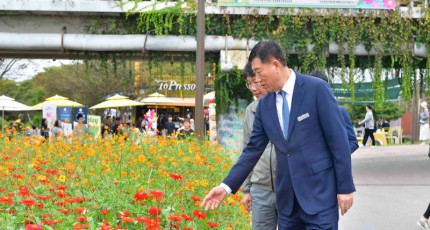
{"x":352,"y":139}
{"x":314,"y":163}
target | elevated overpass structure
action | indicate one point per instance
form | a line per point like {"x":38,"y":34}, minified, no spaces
{"x":62,"y":28}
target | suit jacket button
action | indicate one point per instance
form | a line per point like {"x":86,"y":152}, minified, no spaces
{"x":289,"y":154}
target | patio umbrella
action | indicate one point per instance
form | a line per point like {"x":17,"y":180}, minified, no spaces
{"x":9,"y":104}
{"x":156,"y":98}
{"x":59,"y":101}
{"x":117,"y":101}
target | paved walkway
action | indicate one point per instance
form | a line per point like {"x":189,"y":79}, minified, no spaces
{"x":393,"y":188}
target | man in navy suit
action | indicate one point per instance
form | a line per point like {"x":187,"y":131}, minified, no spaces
{"x":302,"y":120}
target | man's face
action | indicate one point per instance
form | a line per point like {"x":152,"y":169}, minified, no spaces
{"x":109,"y":120}
{"x":256,"y":89}
{"x":186,"y":125}
{"x":81,"y":120}
{"x":265,"y":74}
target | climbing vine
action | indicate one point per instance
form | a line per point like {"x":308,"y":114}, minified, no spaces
{"x":305,"y":36}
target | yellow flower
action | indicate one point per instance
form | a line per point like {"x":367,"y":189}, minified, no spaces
{"x":62,"y":178}
{"x":141,"y":158}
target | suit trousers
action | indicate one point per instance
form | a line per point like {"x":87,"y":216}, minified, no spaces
{"x":264,"y":209}
{"x":300,"y":220}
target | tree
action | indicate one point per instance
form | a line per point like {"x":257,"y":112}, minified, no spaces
{"x":6,"y":66}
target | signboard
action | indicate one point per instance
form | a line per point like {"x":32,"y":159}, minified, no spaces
{"x":65,"y":116}
{"x":94,"y":125}
{"x":49,"y":112}
{"x":365,"y":90}
{"x":77,"y":111}
{"x":348,"y":4}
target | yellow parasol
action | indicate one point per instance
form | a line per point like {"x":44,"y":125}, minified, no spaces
{"x":117,"y":101}
{"x":59,"y":101}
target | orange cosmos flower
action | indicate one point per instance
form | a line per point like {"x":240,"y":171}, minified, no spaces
{"x":156,"y":194}
{"x":65,"y":211}
{"x":44,"y":197}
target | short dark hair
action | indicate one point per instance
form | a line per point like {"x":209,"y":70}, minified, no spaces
{"x":319,"y":74}
{"x":247,"y":71}
{"x":369,"y":106}
{"x":118,"y":119}
{"x":79,"y":116}
{"x":267,"y":49}
{"x":57,"y":124}
{"x":108,"y":117}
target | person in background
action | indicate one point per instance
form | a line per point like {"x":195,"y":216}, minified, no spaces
{"x":423,"y":221}
{"x":117,"y":127}
{"x":57,"y":130}
{"x":353,"y":143}
{"x":169,"y":126}
{"x":369,"y":126}
{"x":187,"y":131}
{"x":107,"y":127}
{"x":424,"y":124}
{"x":259,"y":187}
{"x":44,"y":129}
{"x":80,"y":131}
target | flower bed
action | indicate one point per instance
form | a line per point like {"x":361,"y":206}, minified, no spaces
{"x":113,"y":184}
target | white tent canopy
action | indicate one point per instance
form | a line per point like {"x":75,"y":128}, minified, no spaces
{"x":9,"y":104}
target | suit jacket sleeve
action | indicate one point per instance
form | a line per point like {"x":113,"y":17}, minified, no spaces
{"x":250,"y":154}
{"x":352,"y":139}
{"x":332,"y":124}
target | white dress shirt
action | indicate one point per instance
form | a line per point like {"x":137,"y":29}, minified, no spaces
{"x":289,"y":89}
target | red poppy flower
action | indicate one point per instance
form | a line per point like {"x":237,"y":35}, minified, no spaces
{"x":65,"y":211}
{"x":40,"y":206}
{"x":187,"y":217}
{"x":156,"y":194}
{"x":80,"y":226}
{"x":128,"y":220}
{"x":80,"y":210}
{"x":176,"y":218}
{"x":28,"y":202}
{"x":52,"y":171}
{"x":17,"y":176}
{"x":123,"y":213}
{"x":141,"y":219}
{"x":154,"y":211}
{"x":195,"y":198}
{"x":6,"y":200}
{"x":199,"y":214}
{"x":23,"y":191}
{"x":104,"y":211}
{"x":81,"y":218}
{"x":140,"y":196}
{"x":51,"y":222}
{"x":175,"y":176}
{"x":33,"y":227}
{"x":188,"y":228}
{"x":212,"y":224}
{"x":44,"y":197}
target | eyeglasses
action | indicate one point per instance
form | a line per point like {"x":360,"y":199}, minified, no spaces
{"x":252,"y":84}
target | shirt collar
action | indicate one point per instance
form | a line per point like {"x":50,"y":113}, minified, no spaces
{"x":289,"y":85}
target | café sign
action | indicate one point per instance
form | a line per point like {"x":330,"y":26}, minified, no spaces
{"x":173,"y":85}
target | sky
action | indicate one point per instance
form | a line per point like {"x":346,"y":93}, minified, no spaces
{"x":26,"y":69}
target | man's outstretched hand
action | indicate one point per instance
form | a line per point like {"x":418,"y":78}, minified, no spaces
{"x":214,"y":198}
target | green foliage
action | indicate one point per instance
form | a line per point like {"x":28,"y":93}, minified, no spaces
{"x":230,"y":87}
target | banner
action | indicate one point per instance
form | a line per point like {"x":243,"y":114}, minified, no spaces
{"x":49,"y":112}
{"x":77,"y":111}
{"x":347,"y":4}
{"x":65,"y":116}
{"x":94,"y":125}
{"x":212,"y":123}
